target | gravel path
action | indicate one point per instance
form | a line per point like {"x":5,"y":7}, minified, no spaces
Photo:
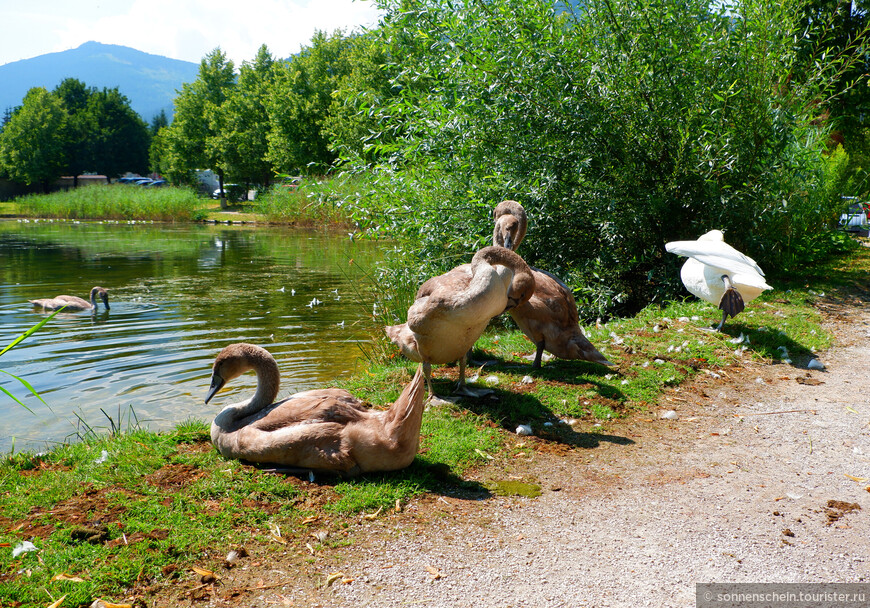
{"x":729,"y":492}
{"x":763,"y":477}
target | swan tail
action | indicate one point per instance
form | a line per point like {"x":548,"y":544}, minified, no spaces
{"x":411,"y":399}
{"x":403,"y":337}
{"x":731,"y":303}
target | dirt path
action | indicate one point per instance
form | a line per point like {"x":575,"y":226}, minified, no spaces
{"x":758,"y":480}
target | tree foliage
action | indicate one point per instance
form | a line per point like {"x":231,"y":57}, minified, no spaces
{"x":195,"y":139}
{"x":98,"y":133}
{"x":247,"y":123}
{"x":31,"y":144}
{"x":619,"y":124}
{"x":121,"y":138}
{"x":300,"y":102}
{"x":274,"y":117}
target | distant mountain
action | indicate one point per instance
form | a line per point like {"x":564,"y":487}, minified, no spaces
{"x":150,"y":82}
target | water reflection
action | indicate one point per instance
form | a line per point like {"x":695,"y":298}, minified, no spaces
{"x":178,"y":294}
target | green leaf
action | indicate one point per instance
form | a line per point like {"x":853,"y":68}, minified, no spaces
{"x":16,"y":398}
{"x":30,"y":331}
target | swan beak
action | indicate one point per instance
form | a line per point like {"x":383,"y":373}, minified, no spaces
{"x":508,"y":241}
{"x":217,"y":383}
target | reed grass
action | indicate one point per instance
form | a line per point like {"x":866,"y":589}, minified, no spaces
{"x":115,"y":202}
{"x":312,"y":201}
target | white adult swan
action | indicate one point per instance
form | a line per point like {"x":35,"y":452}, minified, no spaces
{"x":74,"y":302}
{"x":321,"y":430}
{"x":718,"y":273}
{"x":452,"y":310}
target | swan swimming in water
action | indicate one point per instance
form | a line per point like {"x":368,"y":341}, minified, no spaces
{"x":452,"y":310}
{"x":321,"y":430}
{"x":74,"y":302}
{"x":719,"y":274}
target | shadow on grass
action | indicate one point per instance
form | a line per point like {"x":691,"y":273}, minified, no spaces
{"x":507,"y":410}
{"x":770,"y":344}
{"x":421,"y":476}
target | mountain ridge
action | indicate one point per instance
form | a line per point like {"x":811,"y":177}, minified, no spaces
{"x":150,"y":82}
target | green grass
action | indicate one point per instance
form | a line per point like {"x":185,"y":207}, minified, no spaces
{"x":9,"y":209}
{"x":315,"y":201}
{"x":115,"y":202}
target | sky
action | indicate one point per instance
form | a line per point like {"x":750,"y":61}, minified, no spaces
{"x":179,"y":29}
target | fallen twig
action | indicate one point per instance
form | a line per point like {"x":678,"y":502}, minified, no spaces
{"x":779,"y":412}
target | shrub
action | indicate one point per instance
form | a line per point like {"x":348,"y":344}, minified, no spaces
{"x":620,"y":125}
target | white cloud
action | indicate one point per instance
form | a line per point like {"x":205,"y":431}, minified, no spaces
{"x":182,"y":29}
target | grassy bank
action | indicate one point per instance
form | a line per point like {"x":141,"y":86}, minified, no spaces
{"x":114,"y":202}
{"x":140,"y":515}
{"x":310,"y":202}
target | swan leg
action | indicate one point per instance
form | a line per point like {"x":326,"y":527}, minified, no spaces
{"x":433,"y":398}
{"x":539,"y":352}
{"x":731,"y":302}
{"x":463,"y":389}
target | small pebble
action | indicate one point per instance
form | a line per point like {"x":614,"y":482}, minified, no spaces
{"x":527,"y":380}
{"x":815,"y":364}
{"x":670,"y":415}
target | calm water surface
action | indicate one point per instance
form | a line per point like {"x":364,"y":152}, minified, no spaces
{"x":178,"y":294}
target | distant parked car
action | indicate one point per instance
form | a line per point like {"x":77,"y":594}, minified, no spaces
{"x":157,"y":183}
{"x":856,"y":215}
{"x":145,"y":181}
{"x":234,"y":192}
{"x":128,"y":180}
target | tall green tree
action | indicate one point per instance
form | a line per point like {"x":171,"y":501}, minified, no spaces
{"x":300,"y":102}
{"x":245,"y":136}
{"x":352,"y":120}
{"x":31,"y":144}
{"x":194,"y":140}
{"x":78,"y":138}
{"x":158,"y":122}
{"x":121,"y":138}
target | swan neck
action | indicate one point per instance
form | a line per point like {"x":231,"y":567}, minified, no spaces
{"x":268,"y":383}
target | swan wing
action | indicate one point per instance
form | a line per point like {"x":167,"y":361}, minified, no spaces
{"x":717,"y":255}
{"x":749,"y":279}
{"x":456,"y":279}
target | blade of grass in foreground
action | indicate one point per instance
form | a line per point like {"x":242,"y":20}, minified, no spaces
{"x":30,"y":331}
{"x":24,"y":382}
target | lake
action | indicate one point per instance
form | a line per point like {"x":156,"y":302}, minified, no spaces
{"x":177,"y":295}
